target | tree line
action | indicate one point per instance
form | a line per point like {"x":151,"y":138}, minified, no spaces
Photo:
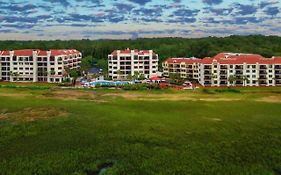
{"x":97,"y":50}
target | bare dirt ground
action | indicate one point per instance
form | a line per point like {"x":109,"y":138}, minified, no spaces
{"x":30,"y":114}
{"x":141,"y":96}
{"x":171,"y":97}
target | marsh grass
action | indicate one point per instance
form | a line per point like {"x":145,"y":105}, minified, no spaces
{"x":141,"y":137}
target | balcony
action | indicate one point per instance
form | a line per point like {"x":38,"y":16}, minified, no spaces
{"x":278,"y":72}
{"x":223,"y":83}
{"x":223,"y":67}
{"x":278,"y":67}
{"x":239,"y":77}
{"x":262,"y":83}
{"x":239,"y":67}
{"x":207,"y":67}
{"x":207,"y":73}
{"x":223,"y":72}
{"x":207,"y":77}
{"x":239,"y":72}
{"x":263,"y":72}
{"x":223,"y":77}
{"x":278,"y":77}
{"x":263,"y":67}
{"x":207,"y":83}
{"x":239,"y":83}
{"x":262,"y":77}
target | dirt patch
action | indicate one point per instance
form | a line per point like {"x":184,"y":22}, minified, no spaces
{"x":170,"y":97}
{"x":70,"y":95}
{"x":270,"y":99}
{"x":33,"y":114}
{"x":10,"y":94}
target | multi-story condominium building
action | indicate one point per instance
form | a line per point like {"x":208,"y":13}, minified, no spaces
{"x":37,"y":65}
{"x":229,"y":69}
{"x":185,"y":67}
{"x":122,"y":63}
{"x":238,"y":69}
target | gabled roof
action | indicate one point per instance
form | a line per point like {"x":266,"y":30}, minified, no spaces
{"x":128,"y":51}
{"x":4,"y":53}
{"x":239,"y":58}
{"x":29,"y":52}
{"x":24,"y":52}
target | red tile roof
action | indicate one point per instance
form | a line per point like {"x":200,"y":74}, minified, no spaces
{"x":24,"y":52}
{"x":4,"y":53}
{"x":42,"y":53}
{"x":29,"y":52}
{"x":240,"y":58}
{"x":128,"y":51}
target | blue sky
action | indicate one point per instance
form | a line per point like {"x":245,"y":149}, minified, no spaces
{"x":118,"y":19}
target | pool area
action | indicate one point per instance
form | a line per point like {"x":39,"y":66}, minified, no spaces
{"x":105,"y":83}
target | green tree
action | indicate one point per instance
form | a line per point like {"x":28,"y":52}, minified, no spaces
{"x":231,"y":79}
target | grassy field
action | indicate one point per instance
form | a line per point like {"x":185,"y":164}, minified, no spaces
{"x":88,"y":132}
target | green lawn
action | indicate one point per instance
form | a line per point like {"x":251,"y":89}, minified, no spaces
{"x":139,"y":136}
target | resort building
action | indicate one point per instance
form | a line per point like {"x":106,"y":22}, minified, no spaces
{"x":37,"y":65}
{"x":124,"y":63}
{"x":238,"y":69}
{"x":186,"y":68}
{"x":229,"y":69}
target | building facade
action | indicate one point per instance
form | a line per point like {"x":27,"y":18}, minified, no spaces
{"x":232,"y":69}
{"x":186,"y":68}
{"x":124,"y":63}
{"x":37,"y":65}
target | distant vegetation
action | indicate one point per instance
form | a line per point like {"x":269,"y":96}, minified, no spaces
{"x":98,"y":50}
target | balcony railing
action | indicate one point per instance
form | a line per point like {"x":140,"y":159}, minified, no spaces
{"x":263,"y":77}
{"x":263,"y":72}
{"x":239,"y":67}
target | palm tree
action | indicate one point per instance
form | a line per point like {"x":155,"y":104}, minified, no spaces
{"x":245,"y":79}
{"x":214,"y":76}
{"x":119,"y":73}
{"x":231,"y":79}
{"x":14,"y":74}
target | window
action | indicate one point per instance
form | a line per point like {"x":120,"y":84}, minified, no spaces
{"x":254,"y":66}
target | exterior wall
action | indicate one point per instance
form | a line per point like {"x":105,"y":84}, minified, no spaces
{"x":35,"y":68}
{"x":188,"y":71}
{"x":216,"y":74}
{"x":122,"y":65}
{"x":245,"y":75}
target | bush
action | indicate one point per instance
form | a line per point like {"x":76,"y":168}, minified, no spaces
{"x":227,"y":90}
{"x":140,"y":86}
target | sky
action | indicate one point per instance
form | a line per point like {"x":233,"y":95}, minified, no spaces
{"x":131,"y":19}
